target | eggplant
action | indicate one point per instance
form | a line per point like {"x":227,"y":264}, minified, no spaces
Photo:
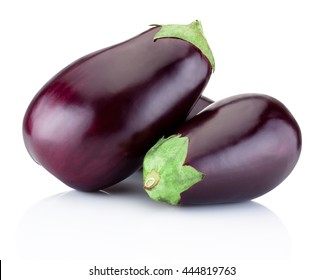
{"x":92,"y":123}
{"x":235,"y":150}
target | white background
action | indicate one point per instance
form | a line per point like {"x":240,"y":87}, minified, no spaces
{"x":49,"y":231}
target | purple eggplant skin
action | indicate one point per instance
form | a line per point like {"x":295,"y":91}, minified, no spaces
{"x":245,"y":146}
{"x":201,"y":104}
{"x":92,"y":123}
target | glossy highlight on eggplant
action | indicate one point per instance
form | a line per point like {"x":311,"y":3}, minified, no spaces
{"x":235,"y":150}
{"x":200,"y":105}
{"x":92,"y":123}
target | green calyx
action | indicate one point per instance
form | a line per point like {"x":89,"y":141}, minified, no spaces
{"x":165,"y":175}
{"x":192,"y":33}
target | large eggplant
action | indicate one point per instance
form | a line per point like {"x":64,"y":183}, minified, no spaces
{"x":235,"y":150}
{"x":92,"y":123}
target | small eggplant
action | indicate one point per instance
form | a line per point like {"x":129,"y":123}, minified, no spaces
{"x":235,"y":150}
{"x":92,"y":123}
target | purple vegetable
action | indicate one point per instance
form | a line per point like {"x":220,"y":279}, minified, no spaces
{"x":92,"y":123}
{"x":235,"y":150}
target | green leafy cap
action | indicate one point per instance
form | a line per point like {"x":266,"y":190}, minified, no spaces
{"x":165,"y":175}
{"x":192,"y":33}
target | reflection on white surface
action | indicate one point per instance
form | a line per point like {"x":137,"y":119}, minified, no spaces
{"x":126,"y":224}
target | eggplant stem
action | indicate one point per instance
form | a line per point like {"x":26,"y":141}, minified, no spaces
{"x":152,"y":180}
{"x":166,"y":174}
